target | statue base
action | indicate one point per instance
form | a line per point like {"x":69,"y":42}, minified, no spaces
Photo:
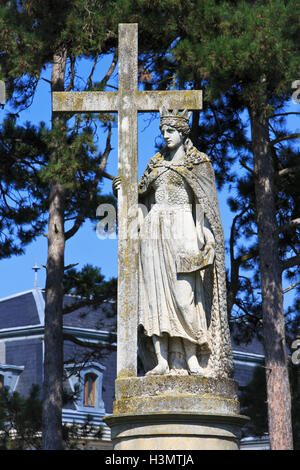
{"x":176,"y":413}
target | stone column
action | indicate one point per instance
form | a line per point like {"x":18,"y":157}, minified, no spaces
{"x":176,"y":413}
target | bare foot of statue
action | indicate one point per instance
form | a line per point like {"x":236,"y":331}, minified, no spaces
{"x":161,"y":350}
{"x":162,"y":368}
{"x":191,"y":359}
{"x":194,"y":367}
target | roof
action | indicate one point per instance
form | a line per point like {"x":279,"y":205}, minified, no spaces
{"x":19,"y":310}
{"x":100,"y":318}
{"x":28,"y":309}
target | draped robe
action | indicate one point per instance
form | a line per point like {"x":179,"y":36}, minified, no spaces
{"x":181,"y":260}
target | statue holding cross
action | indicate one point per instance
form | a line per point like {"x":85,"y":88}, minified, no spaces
{"x":209,"y":324}
{"x":171,"y":276}
{"x":182,"y":321}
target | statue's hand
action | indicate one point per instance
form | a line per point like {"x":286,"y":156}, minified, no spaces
{"x":116,"y":185}
{"x":208,"y":255}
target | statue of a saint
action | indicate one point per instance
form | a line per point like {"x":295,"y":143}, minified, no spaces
{"x":183,"y":325}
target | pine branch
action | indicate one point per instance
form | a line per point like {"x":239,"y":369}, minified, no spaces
{"x":89,"y":80}
{"x":106,"y":151}
{"x":285,"y":137}
{"x":46,"y":80}
{"x":108,"y":176}
{"x":113,"y":87}
{"x":81,"y":214}
{"x":71,"y":84}
{"x":292,"y":286}
{"x":235,"y":263}
{"x":287,"y":171}
{"x":69,"y":266}
{"x":233,"y":231}
{"x":247,"y":256}
{"x":290,"y":262}
{"x":4,"y":193}
{"x":87,"y":344}
{"x":111,"y":68}
{"x":290,"y":225}
{"x":276,"y":135}
{"x":282,"y":114}
{"x":79,"y":221}
{"x":240,"y":305}
{"x":247,"y":168}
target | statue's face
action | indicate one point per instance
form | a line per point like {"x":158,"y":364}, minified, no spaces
{"x":172,"y":137}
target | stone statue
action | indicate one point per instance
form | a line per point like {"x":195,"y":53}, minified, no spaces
{"x":182,"y":314}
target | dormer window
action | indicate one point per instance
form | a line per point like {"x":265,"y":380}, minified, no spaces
{"x":9,"y":376}
{"x":90,"y":380}
{"x":86,"y":381}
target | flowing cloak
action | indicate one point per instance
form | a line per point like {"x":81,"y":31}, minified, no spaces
{"x":198,"y":173}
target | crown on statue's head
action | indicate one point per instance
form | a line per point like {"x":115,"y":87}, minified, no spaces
{"x":175,"y":114}
{"x":179,"y":120}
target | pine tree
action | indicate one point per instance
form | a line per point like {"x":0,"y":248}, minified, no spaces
{"x":36,"y":34}
{"x":22,"y":198}
{"x":20,"y":420}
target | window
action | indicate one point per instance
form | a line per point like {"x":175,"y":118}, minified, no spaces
{"x":85,"y":379}
{"x":90,"y":389}
{"x":9,"y":376}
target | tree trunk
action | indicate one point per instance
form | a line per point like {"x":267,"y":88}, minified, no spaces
{"x":53,"y":337}
{"x":278,"y":387}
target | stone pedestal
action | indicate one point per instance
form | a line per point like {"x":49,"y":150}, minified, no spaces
{"x":176,"y":413}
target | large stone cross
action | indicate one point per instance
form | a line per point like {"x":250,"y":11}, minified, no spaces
{"x":127,"y":101}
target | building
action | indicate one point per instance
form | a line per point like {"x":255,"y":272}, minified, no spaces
{"x":22,"y":351}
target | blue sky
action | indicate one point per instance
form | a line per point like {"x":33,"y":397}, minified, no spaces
{"x":85,"y":247}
